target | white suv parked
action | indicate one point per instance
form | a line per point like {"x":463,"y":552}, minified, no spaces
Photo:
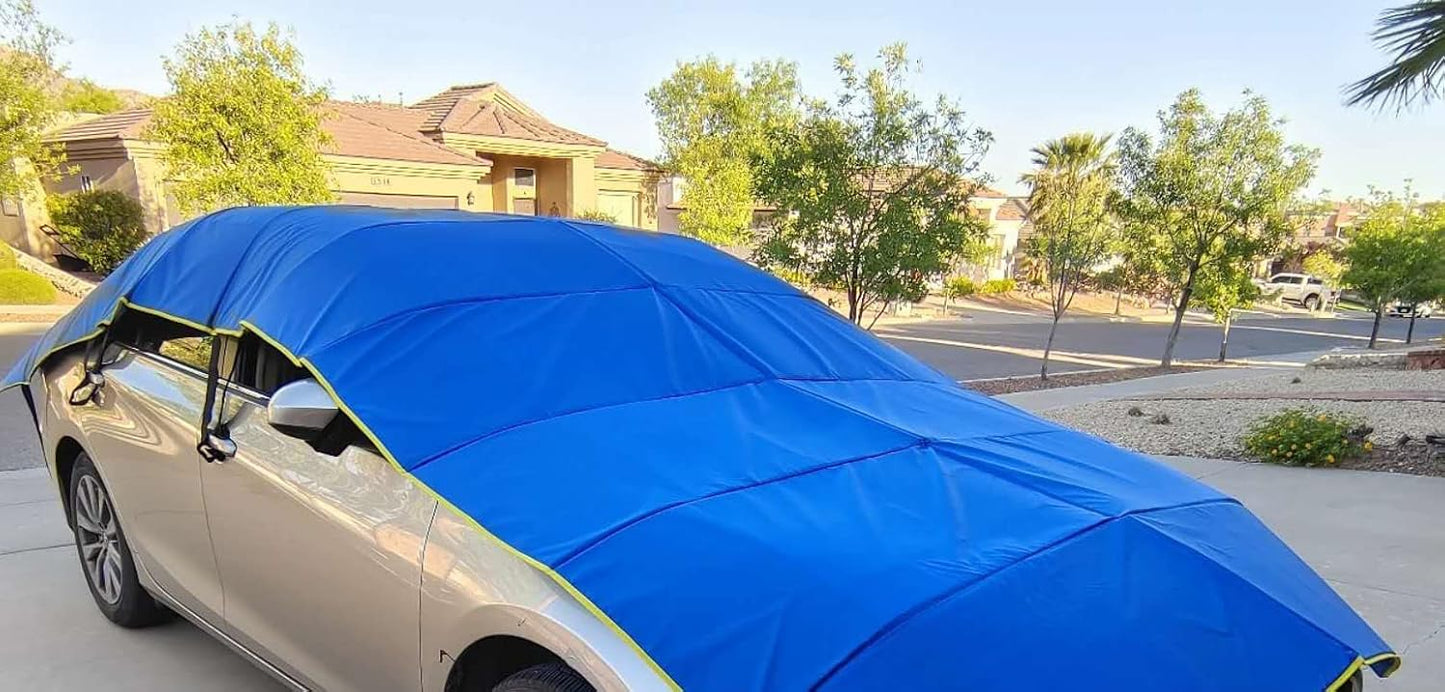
{"x":1309,"y":291}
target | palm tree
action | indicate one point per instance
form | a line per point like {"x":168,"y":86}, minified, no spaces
{"x":1415,"y":33}
{"x":1069,"y":191}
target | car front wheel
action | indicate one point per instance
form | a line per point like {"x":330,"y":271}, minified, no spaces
{"x":548,"y":677}
{"x":105,"y":557}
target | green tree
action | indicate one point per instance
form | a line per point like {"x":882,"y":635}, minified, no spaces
{"x":1213,"y":188}
{"x":1069,"y":192}
{"x":1323,"y":263}
{"x":713,"y":123}
{"x":1223,"y":289}
{"x":1415,"y":34}
{"x":1396,"y":252}
{"x":243,"y":123}
{"x":85,"y":96}
{"x":27,"y":108}
{"x":871,"y":188}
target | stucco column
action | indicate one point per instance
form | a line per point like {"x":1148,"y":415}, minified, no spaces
{"x":581,"y":184}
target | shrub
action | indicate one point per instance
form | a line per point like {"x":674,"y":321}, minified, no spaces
{"x":103,"y":226}
{"x":959,"y":287}
{"x":597,"y":215}
{"x":793,"y":276}
{"x":20,"y":287}
{"x":7,"y":257}
{"x":1305,"y":437}
{"x":998,"y":286}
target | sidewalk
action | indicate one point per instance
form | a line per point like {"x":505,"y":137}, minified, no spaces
{"x":33,"y":314}
{"x":1044,"y":399}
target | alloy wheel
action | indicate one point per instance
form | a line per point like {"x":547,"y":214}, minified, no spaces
{"x":99,"y":538}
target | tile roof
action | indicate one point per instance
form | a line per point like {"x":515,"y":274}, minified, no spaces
{"x":1012,"y":210}
{"x":612,"y":158}
{"x":129,"y":124}
{"x":488,"y":110}
{"x":361,"y":130}
{"x":986,"y":191}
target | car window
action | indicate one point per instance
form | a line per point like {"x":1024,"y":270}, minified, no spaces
{"x":261,"y":367}
{"x":1316,"y":282}
{"x":163,"y":337}
{"x":194,"y":351}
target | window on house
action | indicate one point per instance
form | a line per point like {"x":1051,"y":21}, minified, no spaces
{"x":524,"y":177}
{"x":85,"y":184}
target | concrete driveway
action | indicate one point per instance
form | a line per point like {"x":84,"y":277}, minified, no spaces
{"x":1376,"y":537}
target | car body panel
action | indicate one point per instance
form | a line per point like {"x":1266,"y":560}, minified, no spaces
{"x":472,"y":584}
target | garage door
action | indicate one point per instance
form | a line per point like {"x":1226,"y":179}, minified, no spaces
{"x":620,"y":205}
{"x":374,"y":199}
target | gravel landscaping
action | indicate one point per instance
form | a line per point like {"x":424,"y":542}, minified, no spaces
{"x":1408,"y":437}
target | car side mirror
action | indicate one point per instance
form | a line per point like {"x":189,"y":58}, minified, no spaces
{"x":301,"y":409}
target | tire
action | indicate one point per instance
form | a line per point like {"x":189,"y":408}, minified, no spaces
{"x":110,"y":573}
{"x":548,"y":677}
{"x":1311,"y":302}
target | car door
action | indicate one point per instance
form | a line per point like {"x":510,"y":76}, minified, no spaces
{"x":141,"y":429}
{"x":320,"y":554}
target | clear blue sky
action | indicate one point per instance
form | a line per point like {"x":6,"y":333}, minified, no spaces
{"x":1027,"y":70}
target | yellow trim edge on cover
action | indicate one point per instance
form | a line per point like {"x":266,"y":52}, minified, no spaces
{"x":1355,"y":665}
{"x":309,"y":367}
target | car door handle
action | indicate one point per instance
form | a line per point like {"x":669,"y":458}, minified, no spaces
{"x":216,"y":448}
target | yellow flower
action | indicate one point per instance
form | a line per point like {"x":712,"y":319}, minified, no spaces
{"x":1329,"y":458}
{"x":1308,"y":445}
{"x":1321,"y":417}
{"x":1294,"y":446}
{"x":1369,"y":445}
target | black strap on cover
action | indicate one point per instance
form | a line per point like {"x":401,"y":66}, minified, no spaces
{"x":208,"y":409}
{"x":84,"y":392}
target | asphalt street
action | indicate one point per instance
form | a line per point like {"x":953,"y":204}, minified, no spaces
{"x":1004,"y":344}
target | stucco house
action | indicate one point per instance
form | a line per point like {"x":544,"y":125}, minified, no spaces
{"x":1008,"y":225}
{"x":474,"y":147}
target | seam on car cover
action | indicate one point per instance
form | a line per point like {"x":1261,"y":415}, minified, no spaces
{"x":742,"y":354}
{"x":562,"y":562}
{"x":648,"y":400}
{"x":925,"y":605}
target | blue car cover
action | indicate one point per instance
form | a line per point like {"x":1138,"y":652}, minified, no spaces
{"x":756,"y":494}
